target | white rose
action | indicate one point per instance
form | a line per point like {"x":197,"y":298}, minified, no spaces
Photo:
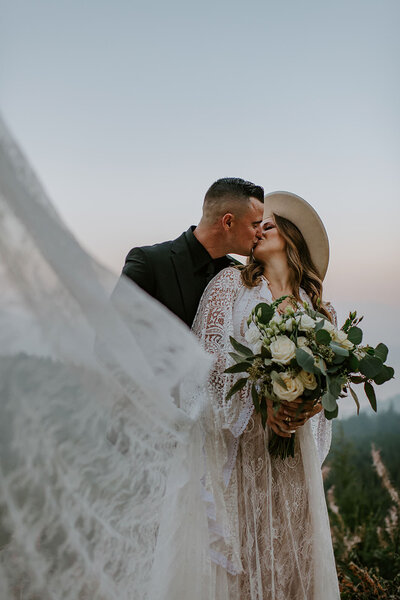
{"x":302,"y":342}
{"x":347,"y":344}
{"x":306,"y":323}
{"x":289,"y":325}
{"x":294,"y":387}
{"x":341,"y":338}
{"x":252,"y":335}
{"x":308,"y":380}
{"x":329,"y":327}
{"x":283,"y":350}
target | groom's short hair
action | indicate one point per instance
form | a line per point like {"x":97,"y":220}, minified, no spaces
{"x":230,"y":194}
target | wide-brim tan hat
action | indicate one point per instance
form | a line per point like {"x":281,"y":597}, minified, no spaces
{"x":301,"y":213}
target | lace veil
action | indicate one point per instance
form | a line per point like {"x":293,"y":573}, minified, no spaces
{"x":97,"y":459}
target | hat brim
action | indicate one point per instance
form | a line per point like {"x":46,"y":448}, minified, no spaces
{"x":302,"y":214}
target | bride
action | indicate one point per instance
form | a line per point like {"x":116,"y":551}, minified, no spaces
{"x":276,"y":541}
{"x":123,"y":472}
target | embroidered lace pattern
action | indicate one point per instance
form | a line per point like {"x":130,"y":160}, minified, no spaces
{"x":268,"y":545}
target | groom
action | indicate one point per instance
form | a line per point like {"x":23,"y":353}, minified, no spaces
{"x":176,"y":272}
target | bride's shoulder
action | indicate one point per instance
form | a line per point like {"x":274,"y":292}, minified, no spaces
{"x":331,"y":310}
{"x":229,"y":275}
{"x":226,"y":282}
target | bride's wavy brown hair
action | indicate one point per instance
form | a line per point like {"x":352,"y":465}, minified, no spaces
{"x":303,"y":272}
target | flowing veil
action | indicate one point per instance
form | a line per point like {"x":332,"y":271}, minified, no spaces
{"x":97,"y":457}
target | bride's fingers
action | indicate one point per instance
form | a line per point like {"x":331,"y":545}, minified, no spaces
{"x":284,"y":424}
{"x":296,"y":409}
{"x":292,"y":411}
{"x":279,"y":431}
{"x":316,"y":409}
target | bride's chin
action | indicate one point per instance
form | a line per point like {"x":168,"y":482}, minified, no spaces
{"x":257,"y":255}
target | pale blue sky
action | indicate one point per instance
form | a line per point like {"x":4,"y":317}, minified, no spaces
{"x":130,"y":110}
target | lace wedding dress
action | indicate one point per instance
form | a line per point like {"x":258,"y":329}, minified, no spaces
{"x":268,"y":521}
{"x":123,"y":473}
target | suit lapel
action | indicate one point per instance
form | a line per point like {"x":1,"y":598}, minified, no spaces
{"x":182,"y":262}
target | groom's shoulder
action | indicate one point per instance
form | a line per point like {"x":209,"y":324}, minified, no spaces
{"x":158,"y":250}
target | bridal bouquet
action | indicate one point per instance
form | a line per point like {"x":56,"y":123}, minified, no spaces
{"x":301,"y":353}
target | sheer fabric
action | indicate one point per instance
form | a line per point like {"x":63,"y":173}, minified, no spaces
{"x":269,"y":522}
{"x":97,"y":461}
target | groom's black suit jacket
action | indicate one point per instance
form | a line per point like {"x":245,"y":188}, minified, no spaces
{"x":175,"y":273}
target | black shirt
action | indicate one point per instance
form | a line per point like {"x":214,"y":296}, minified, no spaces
{"x":204,"y":266}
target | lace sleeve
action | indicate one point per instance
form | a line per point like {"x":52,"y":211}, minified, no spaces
{"x":320,"y":426}
{"x":332,"y":312}
{"x":213,"y":325}
{"x":223,"y":421}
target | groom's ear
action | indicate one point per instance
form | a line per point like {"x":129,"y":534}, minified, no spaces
{"x":227,"y":221}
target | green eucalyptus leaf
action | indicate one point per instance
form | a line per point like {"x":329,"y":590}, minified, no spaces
{"x":329,"y":402}
{"x":370,"y":366}
{"x":265,"y":353}
{"x":236,"y":357}
{"x":275,"y":377}
{"x":381,"y":351}
{"x":238,"y":368}
{"x":385,"y":374}
{"x":305,"y":360}
{"x":244,"y":350}
{"x":355,"y":398}
{"x":320,"y":324}
{"x":338,"y":360}
{"x":338,"y":350}
{"x":323,"y":337}
{"x":355,"y":335}
{"x":334,"y":386}
{"x":319,"y":368}
{"x":332,"y":414}
{"x":264,"y":312}
{"x":357,"y":379}
{"x":353,"y":363}
{"x":369,"y":390}
{"x":240,"y":383}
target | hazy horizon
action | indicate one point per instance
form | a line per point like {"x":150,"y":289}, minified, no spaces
{"x":128,"y":112}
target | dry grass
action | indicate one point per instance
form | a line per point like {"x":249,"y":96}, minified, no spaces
{"x":358,"y":582}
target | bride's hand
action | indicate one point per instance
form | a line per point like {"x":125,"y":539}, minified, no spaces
{"x":288,"y":418}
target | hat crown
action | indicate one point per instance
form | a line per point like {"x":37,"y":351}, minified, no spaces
{"x":297,"y":210}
